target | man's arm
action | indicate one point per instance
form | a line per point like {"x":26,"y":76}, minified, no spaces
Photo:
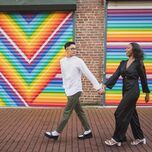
{"x":84,"y":69}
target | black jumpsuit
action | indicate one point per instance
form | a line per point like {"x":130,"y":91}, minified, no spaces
{"x":126,"y":112}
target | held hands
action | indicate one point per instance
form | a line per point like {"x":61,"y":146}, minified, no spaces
{"x":102,"y":90}
{"x":147,"y":98}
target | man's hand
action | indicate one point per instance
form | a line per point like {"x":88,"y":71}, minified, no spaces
{"x":102,"y":90}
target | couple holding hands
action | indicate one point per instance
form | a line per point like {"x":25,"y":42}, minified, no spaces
{"x":72,"y":68}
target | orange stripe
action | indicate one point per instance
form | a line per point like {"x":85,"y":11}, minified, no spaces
{"x":134,"y":39}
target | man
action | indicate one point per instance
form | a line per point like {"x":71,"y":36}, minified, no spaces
{"x":72,"y":68}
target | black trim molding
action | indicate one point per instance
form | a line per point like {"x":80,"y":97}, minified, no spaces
{"x":37,"y":5}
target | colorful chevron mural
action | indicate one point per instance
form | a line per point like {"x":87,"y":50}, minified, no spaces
{"x":125,"y":26}
{"x":31,"y":45}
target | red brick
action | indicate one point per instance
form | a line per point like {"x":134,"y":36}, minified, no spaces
{"x":90,"y":41}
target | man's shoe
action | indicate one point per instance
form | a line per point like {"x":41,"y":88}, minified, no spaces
{"x":85,"y":136}
{"x":49,"y":135}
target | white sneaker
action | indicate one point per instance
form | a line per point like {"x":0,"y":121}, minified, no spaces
{"x":52,"y":135}
{"x":85,"y":135}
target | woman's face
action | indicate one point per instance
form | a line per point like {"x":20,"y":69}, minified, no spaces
{"x":129,"y":51}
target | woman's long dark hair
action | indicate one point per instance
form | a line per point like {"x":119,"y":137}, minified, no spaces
{"x":137,"y":51}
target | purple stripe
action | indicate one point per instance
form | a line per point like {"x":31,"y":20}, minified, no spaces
{"x":10,"y":92}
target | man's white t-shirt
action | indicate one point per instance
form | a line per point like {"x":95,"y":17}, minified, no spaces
{"x":72,"y":69}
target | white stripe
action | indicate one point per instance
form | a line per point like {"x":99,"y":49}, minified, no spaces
{"x":14,"y":89}
{"x":58,"y":76}
{"x":130,"y":5}
{"x":44,"y":44}
{"x":14,"y":45}
{"x":149,"y":76}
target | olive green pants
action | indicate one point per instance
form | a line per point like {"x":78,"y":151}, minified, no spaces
{"x":73,"y":103}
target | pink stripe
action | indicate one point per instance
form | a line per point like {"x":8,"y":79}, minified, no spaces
{"x":127,"y":14}
{"x":124,"y":46}
{"x":129,"y":11}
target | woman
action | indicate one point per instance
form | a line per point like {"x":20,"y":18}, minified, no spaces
{"x":126,"y":113}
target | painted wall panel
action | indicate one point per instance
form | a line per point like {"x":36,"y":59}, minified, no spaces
{"x":127,"y":23}
{"x":31,"y":45}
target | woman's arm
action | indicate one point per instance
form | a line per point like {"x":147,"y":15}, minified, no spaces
{"x":113,"y":79}
{"x":143,"y":78}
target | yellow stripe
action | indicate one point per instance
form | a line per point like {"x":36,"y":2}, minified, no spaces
{"x":13,"y":72}
{"x":128,"y":36}
{"x":51,"y":97}
{"x":2,"y":103}
{"x":14,"y":27}
{"x":119,"y":97}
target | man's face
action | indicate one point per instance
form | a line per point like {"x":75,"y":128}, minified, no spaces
{"x":71,"y":50}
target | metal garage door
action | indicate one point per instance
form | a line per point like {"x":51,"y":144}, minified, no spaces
{"x":31,"y":45}
{"x":127,"y":21}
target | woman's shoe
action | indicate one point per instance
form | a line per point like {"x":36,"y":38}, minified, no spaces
{"x":138,"y":141}
{"x":112,"y":142}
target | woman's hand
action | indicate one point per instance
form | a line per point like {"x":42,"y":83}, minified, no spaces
{"x":104,"y":86}
{"x":147,"y":97}
{"x":101,"y":91}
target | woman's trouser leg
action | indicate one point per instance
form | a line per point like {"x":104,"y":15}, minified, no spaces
{"x":135,"y":126}
{"x":124,"y":113}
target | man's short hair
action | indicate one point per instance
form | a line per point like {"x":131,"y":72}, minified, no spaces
{"x":68,"y":44}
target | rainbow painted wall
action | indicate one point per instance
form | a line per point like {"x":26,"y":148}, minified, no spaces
{"x":124,"y":26}
{"x":31,"y":45}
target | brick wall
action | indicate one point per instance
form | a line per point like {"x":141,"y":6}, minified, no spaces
{"x":89,"y":37}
